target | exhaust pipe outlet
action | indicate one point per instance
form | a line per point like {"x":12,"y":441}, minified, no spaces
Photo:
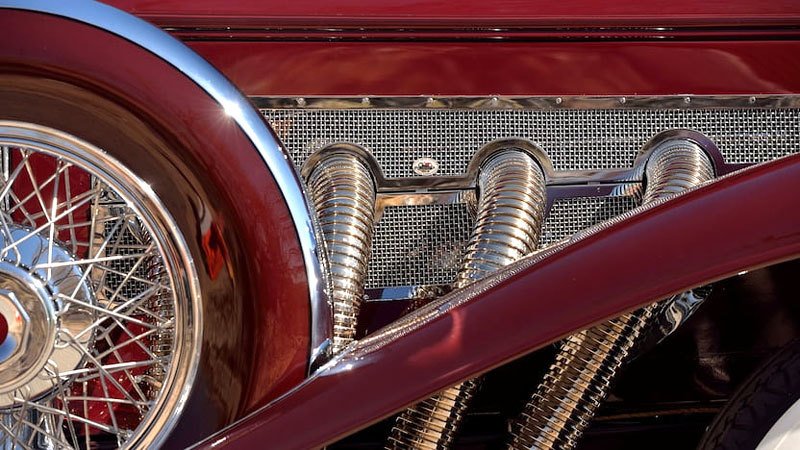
{"x":343,"y":192}
{"x":587,"y":363}
{"x":511,"y":189}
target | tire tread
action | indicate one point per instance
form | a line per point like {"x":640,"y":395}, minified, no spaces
{"x":757,"y":404}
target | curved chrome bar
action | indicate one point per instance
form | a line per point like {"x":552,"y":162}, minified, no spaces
{"x":237,"y":107}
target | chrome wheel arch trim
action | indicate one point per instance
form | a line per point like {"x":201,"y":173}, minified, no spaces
{"x":239,"y":108}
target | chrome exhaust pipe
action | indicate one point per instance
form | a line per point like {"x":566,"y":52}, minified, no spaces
{"x":343,"y":193}
{"x":510,"y":213}
{"x":587,"y":363}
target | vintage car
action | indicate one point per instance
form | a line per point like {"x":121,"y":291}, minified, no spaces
{"x":408,"y":224}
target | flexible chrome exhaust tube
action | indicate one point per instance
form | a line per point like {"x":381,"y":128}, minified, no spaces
{"x":586,"y":365}
{"x":511,"y":189}
{"x":343,"y":192}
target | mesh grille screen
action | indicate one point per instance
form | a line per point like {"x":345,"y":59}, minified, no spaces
{"x":419,"y":245}
{"x":125,"y":242}
{"x":422,"y":245}
{"x":571,"y":215}
{"x":575,"y":139}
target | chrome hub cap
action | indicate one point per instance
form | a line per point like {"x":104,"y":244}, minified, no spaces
{"x":99,"y":300}
{"x":16,"y":339}
{"x":17,"y":332}
{"x":42,"y":325}
{"x":30,"y":340}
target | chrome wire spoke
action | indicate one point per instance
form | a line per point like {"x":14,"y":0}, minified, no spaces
{"x":114,"y":349}
{"x":7,"y":183}
{"x":102,"y":310}
{"x":108,"y":404}
{"x":73,"y":238}
{"x":101,"y":370}
{"x":89,"y":224}
{"x":77,"y":418}
{"x":39,"y":427}
{"x":31,"y":221}
{"x":129,"y":275}
{"x":108,"y":400}
{"x":117,"y":310}
{"x":62,"y":205}
{"x":90,"y":261}
{"x":141,"y":257}
{"x":99,"y":251}
{"x":135,"y":304}
{"x":7,"y":234}
{"x":10,"y":434}
{"x":65,"y":420}
{"x":90,"y":373}
{"x":100,"y":299}
{"x":39,"y":229}
{"x":132,"y":339}
{"x":36,"y":187}
{"x":130,"y":377}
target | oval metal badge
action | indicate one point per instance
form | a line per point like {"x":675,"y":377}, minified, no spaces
{"x":426,"y":166}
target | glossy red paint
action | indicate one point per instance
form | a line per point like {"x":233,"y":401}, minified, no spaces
{"x":257,"y":292}
{"x":480,"y":48}
{"x":476,"y":11}
{"x":490,"y":48}
{"x":481,"y":69}
{"x":662,"y":250}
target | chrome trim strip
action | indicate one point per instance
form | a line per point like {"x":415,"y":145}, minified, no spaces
{"x":686,"y":101}
{"x":235,"y":105}
{"x":467,"y":181}
{"x":202,"y":28}
{"x":405,"y":293}
{"x":383,"y":200}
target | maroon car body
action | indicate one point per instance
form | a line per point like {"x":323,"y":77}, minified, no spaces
{"x":433,"y":49}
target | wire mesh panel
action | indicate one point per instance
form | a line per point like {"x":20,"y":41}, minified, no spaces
{"x":125,"y":275}
{"x":419,"y":245}
{"x":574,"y":139}
{"x":571,"y":215}
{"x":423,"y":244}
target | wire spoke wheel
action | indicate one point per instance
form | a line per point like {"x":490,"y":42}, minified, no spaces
{"x":99,"y":303}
